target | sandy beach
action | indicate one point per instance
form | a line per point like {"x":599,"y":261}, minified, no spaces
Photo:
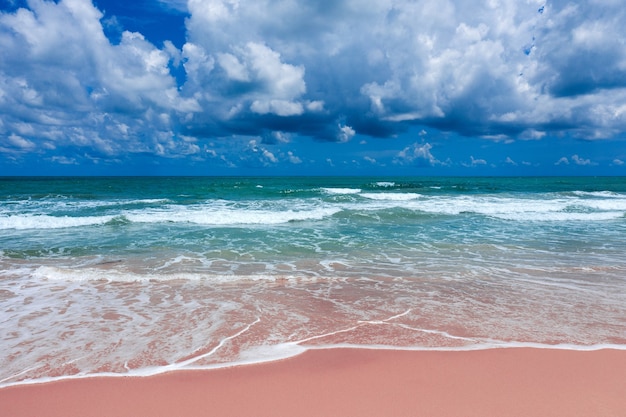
{"x":353,"y":382}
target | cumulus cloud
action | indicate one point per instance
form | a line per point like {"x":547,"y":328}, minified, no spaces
{"x":503,"y":70}
{"x":293,"y":158}
{"x":344,"y":133}
{"x":63,"y":78}
{"x":417,"y":154}
{"x":475,"y":162}
{"x":581,"y":161}
{"x":575,"y":159}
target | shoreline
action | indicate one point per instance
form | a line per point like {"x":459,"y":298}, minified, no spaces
{"x":352,"y":382}
{"x":295,"y":349}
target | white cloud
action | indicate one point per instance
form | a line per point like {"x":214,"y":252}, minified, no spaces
{"x":618,"y":162}
{"x":575,"y":159}
{"x":345,"y":133}
{"x":293,"y":158}
{"x":269,"y":156}
{"x":233,"y":67}
{"x":251,"y":73}
{"x":20,"y":143}
{"x":581,"y":161}
{"x":64,"y":160}
{"x":315,"y":105}
{"x":510,"y":161}
{"x":63,"y":78}
{"x":500,"y":69}
{"x":197,"y":63}
{"x":277,"y":137}
{"x":257,"y":155}
{"x":417,"y":154}
{"x":280,"y":80}
{"x":475,"y":162}
{"x":440,"y":61}
{"x":277,"y":107}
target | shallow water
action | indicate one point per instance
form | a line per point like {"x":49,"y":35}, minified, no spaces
{"x":144,"y":275}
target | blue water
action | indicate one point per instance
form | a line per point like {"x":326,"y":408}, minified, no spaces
{"x":141,"y":275}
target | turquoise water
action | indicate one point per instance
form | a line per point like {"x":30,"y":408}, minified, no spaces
{"x":143,"y":275}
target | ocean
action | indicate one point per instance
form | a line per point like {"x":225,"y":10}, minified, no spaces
{"x":142,"y":275}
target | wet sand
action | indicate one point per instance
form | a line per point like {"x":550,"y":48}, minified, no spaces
{"x":352,"y":382}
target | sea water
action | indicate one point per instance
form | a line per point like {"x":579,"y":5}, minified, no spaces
{"x":135,"y":276}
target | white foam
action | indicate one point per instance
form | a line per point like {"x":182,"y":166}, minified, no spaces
{"x":281,"y":351}
{"x":558,"y":216}
{"x":341,"y":190}
{"x":391,"y":196}
{"x":74,"y":205}
{"x":43,"y":221}
{"x":54,"y":273}
{"x":605,"y":194}
{"x":174,"y":214}
{"x":523,"y":209}
{"x":385,"y":184}
{"x":228,"y":216}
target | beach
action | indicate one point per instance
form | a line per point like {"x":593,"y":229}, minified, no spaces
{"x":329,"y":296}
{"x":352,"y":382}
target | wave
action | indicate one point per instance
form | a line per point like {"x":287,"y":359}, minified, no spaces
{"x":114,"y":273}
{"x":335,"y":191}
{"x":540,"y":207}
{"x":43,"y":221}
{"x":385,"y":184}
{"x":391,"y":196}
{"x":197,"y":215}
{"x":520,"y":209}
{"x":604,"y":194}
{"x":225,"y":216}
{"x":558,"y":216}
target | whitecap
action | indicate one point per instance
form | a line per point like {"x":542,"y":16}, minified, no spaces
{"x":341,"y":190}
{"x":391,"y":196}
{"x":43,"y":221}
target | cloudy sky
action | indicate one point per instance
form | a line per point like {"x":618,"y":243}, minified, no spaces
{"x":411,"y":87}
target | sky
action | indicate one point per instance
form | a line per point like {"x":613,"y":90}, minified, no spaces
{"x":315,"y":87}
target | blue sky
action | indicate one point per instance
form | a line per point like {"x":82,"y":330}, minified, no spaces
{"x":265,"y":87}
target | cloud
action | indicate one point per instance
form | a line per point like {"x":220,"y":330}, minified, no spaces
{"x":344,"y":133}
{"x":575,"y":159}
{"x":475,"y":162}
{"x":503,"y":70}
{"x":454,"y":67}
{"x":581,"y":161}
{"x":63,"y":78}
{"x":19,"y":143}
{"x":618,"y":162}
{"x":63,"y":160}
{"x":417,"y":154}
{"x":293,"y":158}
{"x":509,"y":161}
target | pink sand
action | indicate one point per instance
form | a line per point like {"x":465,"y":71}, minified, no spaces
{"x":352,"y":382}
